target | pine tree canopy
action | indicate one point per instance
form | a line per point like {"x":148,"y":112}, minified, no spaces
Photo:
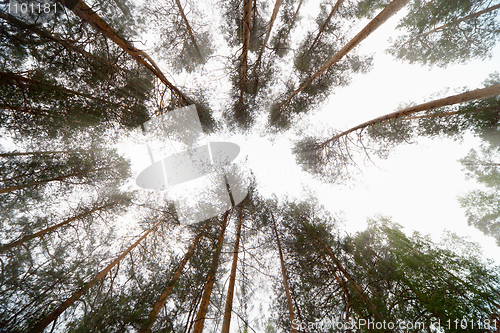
{"x":92,"y":93}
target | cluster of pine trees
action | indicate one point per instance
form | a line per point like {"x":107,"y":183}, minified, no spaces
{"x":79,"y":253}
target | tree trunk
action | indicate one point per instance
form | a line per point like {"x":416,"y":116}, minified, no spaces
{"x":230,"y":289}
{"x":383,"y":16}
{"x":42,"y":113}
{"x":24,"y":239}
{"x":26,"y":153}
{"x":343,"y":285}
{"x":205,"y":299}
{"x":41,"y":325}
{"x":323,"y":27}
{"x":285,"y":279}
{"x":247,"y":22}
{"x":20,"y":187}
{"x":25,"y":80}
{"x":268,"y":34}
{"x":190,"y":31}
{"x":164,"y":295}
{"x":296,"y":12}
{"x":80,"y":9}
{"x":455,"y":99}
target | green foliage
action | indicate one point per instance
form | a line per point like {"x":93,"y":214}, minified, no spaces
{"x":444,"y":32}
{"x":51,"y":84}
{"x":185,"y":46}
{"x":482,"y":205}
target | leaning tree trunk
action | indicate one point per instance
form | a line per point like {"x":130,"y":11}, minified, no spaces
{"x":322,"y":28}
{"x":349,"y":278}
{"x":247,"y":22}
{"x":190,"y":31}
{"x":341,"y":282}
{"x":80,"y":9}
{"x":230,"y":289}
{"x":296,"y":12}
{"x":455,"y":99}
{"x":24,"y":239}
{"x":285,"y":279}
{"x":41,"y":325}
{"x":21,"y":80}
{"x":268,"y":34}
{"x":164,"y":295}
{"x":381,"y":18}
{"x":205,"y":299}
{"x":20,"y":187}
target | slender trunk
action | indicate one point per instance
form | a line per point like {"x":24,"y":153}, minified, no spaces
{"x":383,"y":16}
{"x":20,"y":187}
{"x":205,"y":299}
{"x":24,"y":239}
{"x":455,"y":99}
{"x":164,"y":295}
{"x":42,"y":113}
{"x":292,"y":22}
{"x":67,"y":44}
{"x":296,"y":13}
{"x":322,"y":29}
{"x":343,"y":285}
{"x":444,"y":26}
{"x":41,"y":325}
{"x":247,"y":22}
{"x":230,"y":289}
{"x":190,"y":31}
{"x":358,"y":289}
{"x":25,"y":80}
{"x":26,"y":153}
{"x":268,"y":34}
{"x":283,"y":273}
{"x":80,"y":9}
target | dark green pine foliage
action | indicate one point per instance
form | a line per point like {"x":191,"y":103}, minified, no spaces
{"x":443,"y":32}
{"x":60,"y":75}
{"x":414,"y":279}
